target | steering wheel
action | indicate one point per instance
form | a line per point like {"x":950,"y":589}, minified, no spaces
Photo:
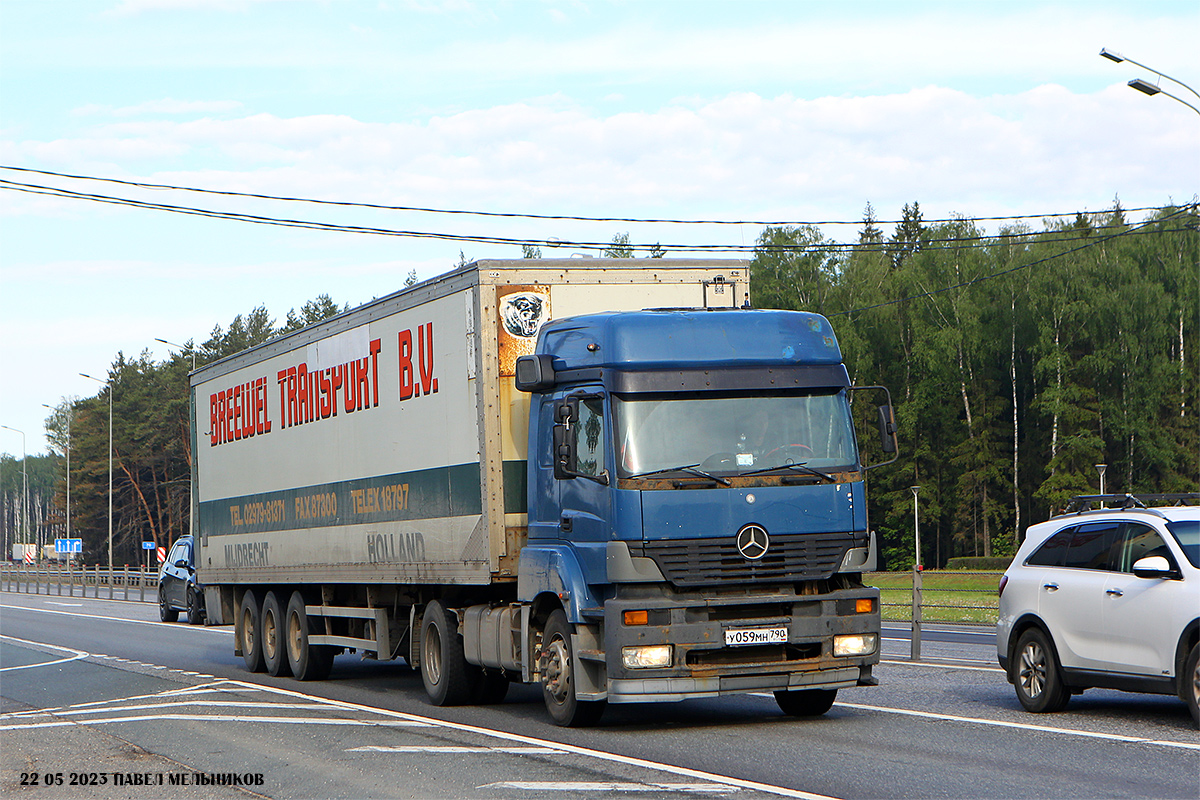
{"x":801,"y":451}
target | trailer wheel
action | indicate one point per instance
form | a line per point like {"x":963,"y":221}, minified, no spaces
{"x":558,"y":683}
{"x":806,"y":702}
{"x":273,"y":649}
{"x":250,"y":632}
{"x":308,"y":662}
{"x":449,"y":680}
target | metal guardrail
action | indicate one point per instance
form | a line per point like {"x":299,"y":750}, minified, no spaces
{"x":122,"y":583}
{"x":941,"y":596}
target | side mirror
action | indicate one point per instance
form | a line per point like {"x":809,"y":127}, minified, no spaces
{"x":887,"y":429}
{"x":535,"y":373}
{"x":1154,"y":567}
{"x":182,"y":563}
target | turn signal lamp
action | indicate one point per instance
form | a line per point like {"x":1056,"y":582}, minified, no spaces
{"x":864,"y":606}
{"x":637,"y":617}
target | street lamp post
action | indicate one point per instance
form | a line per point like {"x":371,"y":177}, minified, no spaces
{"x":1101,"y":468}
{"x":67,"y":450}
{"x":1147,"y":88}
{"x":191,"y":482}
{"x":110,"y":475}
{"x":24,"y":485}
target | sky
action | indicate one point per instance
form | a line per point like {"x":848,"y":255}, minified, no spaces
{"x":750,"y":111}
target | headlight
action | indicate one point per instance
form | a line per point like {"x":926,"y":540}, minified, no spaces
{"x":646,"y":657}
{"x":855,"y":644}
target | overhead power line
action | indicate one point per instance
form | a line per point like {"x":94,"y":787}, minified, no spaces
{"x":956,"y":243}
{"x":515,"y":215}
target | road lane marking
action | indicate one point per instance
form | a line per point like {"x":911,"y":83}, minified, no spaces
{"x":944,"y":664}
{"x":77,"y":654}
{"x":600,"y":755}
{"x":1024,"y":726}
{"x":222,"y":629}
{"x":453,"y":749}
{"x":356,"y":723}
{"x":595,"y":787}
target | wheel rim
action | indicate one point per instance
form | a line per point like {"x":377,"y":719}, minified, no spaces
{"x":556,"y":669}
{"x":433,"y":655}
{"x":1196,"y":684}
{"x":1033,"y":669}
{"x":247,"y":631}
{"x":162,"y":601}
{"x":270,"y":635}
{"x":294,"y":636}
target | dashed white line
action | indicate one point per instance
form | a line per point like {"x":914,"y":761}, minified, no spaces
{"x":595,"y":787}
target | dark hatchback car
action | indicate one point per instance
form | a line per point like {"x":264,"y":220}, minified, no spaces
{"x":178,"y":589}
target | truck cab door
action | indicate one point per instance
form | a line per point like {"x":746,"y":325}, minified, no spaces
{"x":584,"y":495}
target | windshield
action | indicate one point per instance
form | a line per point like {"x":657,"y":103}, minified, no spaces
{"x":1187,"y":533}
{"x":733,"y":434}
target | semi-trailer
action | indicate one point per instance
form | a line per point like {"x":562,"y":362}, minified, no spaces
{"x":610,"y":477}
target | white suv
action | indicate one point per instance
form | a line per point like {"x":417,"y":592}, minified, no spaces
{"x":1105,"y":598}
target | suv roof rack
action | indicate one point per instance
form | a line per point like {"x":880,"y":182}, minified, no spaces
{"x":1083,"y":502}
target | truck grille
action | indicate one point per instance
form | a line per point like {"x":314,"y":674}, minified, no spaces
{"x":795,"y":557}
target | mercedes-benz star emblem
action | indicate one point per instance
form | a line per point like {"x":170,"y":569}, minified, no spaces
{"x":752,"y":542}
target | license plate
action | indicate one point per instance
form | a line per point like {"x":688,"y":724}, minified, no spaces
{"x":740,"y":636}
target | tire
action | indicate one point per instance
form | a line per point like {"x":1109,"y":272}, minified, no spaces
{"x":273,"y":648}
{"x":1036,"y":674}
{"x":249,"y":631}
{"x":195,"y":609}
{"x":806,"y":702}
{"x":556,"y":665}
{"x":1191,"y":683}
{"x":308,"y":662}
{"x":491,"y":688}
{"x":449,"y":680}
{"x":165,"y":612}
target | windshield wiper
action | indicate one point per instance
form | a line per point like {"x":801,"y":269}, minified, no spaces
{"x":798,"y":466}
{"x":689,"y":468}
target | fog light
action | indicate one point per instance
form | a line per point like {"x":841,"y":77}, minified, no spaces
{"x":646,"y":657}
{"x":855,"y":644}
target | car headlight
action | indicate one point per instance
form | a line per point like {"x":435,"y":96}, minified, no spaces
{"x":855,"y":644}
{"x":646,"y":656}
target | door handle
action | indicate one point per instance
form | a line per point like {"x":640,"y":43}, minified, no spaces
{"x":1114,"y":592}
{"x":1050,"y":587}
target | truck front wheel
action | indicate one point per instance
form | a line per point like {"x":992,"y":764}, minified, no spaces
{"x":249,"y":632}
{"x":449,"y":680}
{"x":558,"y":683}
{"x":806,"y":703}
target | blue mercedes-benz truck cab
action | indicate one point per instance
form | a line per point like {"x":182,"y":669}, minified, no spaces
{"x":696,"y":510}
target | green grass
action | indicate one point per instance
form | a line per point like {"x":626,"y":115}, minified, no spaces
{"x":953,"y":597}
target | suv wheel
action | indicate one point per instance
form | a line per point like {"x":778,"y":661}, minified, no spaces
{"x":1036,"y":674}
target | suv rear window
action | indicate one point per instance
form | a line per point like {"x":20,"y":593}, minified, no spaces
{"x":1092,"y":546}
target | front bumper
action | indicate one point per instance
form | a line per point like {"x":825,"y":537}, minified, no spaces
{"x":704,"y":666}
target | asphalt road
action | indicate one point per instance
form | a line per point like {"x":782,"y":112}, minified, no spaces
{"x":93,"y":689}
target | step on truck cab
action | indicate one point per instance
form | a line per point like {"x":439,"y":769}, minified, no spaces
{"x":613,"y":480}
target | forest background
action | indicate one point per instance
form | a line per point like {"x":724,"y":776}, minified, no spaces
{"x":1017,"y":362}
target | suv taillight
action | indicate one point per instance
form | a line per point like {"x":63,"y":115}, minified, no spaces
{"x":1003,"y":583}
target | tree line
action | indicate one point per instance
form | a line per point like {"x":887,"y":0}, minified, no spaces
{"x":1017,"y":361}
